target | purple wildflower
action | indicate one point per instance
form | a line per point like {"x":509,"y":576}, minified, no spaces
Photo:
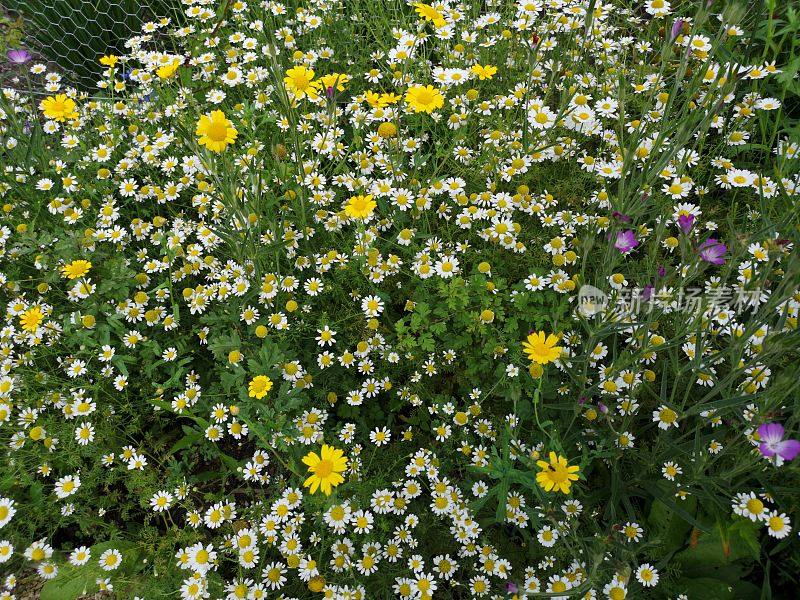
{"x":662,"y":271}
{"x":622,"y":217}
{"x":676,"y":29}
{"x":626,"y":241}
{"x":18,"y":57}
{"x":713,"y":251}
{"x":685,"y":222}
{"x":772,"y":442}
{"x":511,"y":587}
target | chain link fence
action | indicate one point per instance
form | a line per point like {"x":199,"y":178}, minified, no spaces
{"x":72,"y":35}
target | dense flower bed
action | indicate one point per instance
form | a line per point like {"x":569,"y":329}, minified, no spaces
{"x":357,"y":300}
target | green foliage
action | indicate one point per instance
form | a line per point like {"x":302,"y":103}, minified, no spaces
{"x":402,"y":338}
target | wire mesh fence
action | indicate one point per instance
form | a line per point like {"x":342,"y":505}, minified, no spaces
{"x":72,"y":35}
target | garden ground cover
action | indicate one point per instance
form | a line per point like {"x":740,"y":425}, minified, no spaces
{"x":349,"y":300}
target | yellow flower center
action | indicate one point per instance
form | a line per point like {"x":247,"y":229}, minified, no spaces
{"x":324,"y":468}
{"x":755,"y":506}
{"x":217,"y":131}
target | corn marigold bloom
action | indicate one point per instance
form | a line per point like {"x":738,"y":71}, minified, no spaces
{"x":325,"y":469}
{"x":259,"y":386}
{"x":109,"y":60}
{"x":333,"y":81}
{"x":75,"y":269}
{"x":429,"y":13}
{"x":168,"y":70}
{"x":215,"y":131}
{"x":424,"y":98}
{"x":541,"y":348}
{"x":484,"y":71}
{"x":31,"y":319}
{"x":360,"y":207}
{"x":59,"y":108}
{"x":300,"y":82}
{"x":557,"y":474}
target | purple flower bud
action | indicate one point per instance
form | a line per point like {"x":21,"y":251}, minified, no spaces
{"x":647,"y":292}
{"x":18,"y":57}
{"x":603,"y":408}
{"x":676,"y":29}
{"x":626,"y":241}
{"x":622,"y":217}
{"x":511,"y":587}
{"x":713,"y":251}
{"x":685,"y":222}
{"x":772,"y":442}
{"x":329,"y":91}
{"x":661,"y":271}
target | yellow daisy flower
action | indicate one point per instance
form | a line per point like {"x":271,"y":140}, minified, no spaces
{"x":215,"y":131}
{"x":484,"y":72}
{"x":424,"y":98}
{"x":58,"y":107}
{"x":300,"y":82}
{"x":556,"y":475}
{"x":360,"y":207}
{"x":31,"y":319}
{"x":325,"y":469}
{"x":259,"y":386}
{"x":168,"y":70}
{"x":541,"y":348}
{"x":75,"y":269}
{"x":427,"y":12}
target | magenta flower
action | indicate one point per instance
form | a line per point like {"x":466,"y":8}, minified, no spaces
{"x":626,"y":241}
{"x":676,"y":29}
{"x":685,"y":222}
{"x":18,"y":57}
{"x":772,"y":442}
{"x":713,"y":251}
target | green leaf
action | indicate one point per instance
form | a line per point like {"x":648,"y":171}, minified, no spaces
{"x":186,"y":441}
{"x":705,"y":587}
{"x":502,"y":497}
{"x":726,"y":544}
{"x":668,"y":526}
{"x":70,"y":583}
